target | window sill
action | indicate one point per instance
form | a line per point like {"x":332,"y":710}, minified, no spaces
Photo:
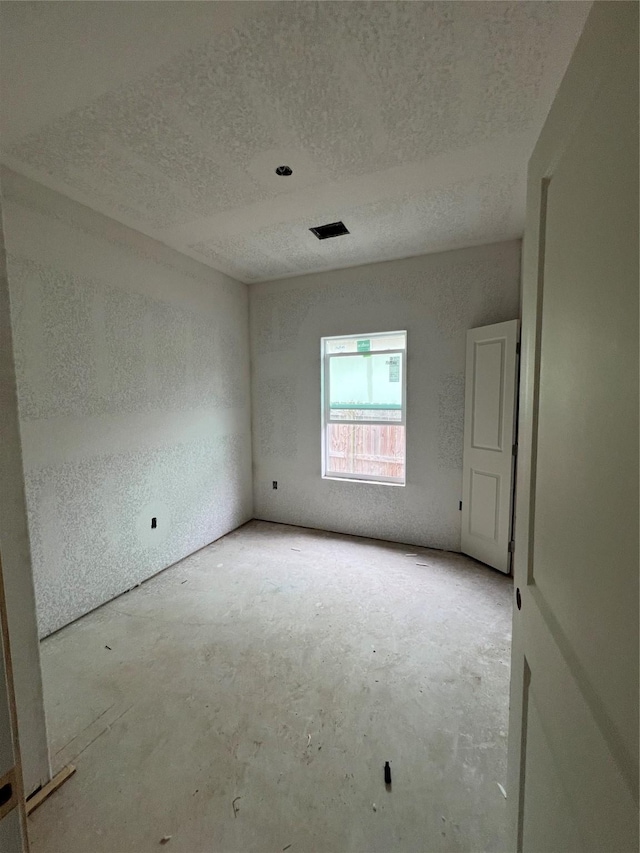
{"x":365,"y":482}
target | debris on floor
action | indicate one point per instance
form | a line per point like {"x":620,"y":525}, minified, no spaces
{"x":165,"y":839}
{"x":411,"y":555}
{"x":109,"y":647}
{"x":295,"y":549}
{"x":308,"y":740}
{"x":502,"y":790}
{"x":235,"y":808}
{"x":298,"y":647}
{"x":286,"y":848}
{"x":422,"y":564}
{"x":387,"y":773}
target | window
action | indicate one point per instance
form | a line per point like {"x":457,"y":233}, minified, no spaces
{"x":364,"y":407}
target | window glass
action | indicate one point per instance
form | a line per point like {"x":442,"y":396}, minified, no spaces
{"x":365,"y":387}
{"x":364,"y":432}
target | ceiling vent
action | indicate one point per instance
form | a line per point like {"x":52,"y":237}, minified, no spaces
{"x":333,"y":229}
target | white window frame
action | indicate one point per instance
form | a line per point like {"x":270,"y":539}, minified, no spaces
{"x":326,"y":408}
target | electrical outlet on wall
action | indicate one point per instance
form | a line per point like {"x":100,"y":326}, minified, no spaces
{"x":153,"y":524}
{"x":274,"y":484}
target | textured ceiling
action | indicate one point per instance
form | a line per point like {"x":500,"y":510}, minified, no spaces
{"x":412,"y":122}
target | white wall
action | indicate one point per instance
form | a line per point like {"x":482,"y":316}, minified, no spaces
{"x":133,"y":382}
{"x":16,"y":563}
{"x":436,"y":298}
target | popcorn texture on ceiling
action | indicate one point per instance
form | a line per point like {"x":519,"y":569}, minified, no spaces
{"x":410,"y":121}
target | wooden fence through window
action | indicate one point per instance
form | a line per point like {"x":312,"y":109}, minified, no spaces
{"x":373,"y":449}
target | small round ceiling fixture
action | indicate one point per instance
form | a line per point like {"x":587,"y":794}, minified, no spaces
{"x":284,"y":171}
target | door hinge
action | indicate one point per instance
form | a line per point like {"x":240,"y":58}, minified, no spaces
{"x":512,"y":546}
{"x":518,"y":348}
{"x":460,"y":505}
{"x":514,"y":449}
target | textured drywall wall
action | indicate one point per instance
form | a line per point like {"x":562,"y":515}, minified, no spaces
{"x":16,"y":560}
{"x":133,"y":383}
{"x":436,"y":298}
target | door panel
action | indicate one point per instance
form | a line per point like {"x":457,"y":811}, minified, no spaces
{"x":488,"y":439}
{"x":488,"y":391}
{"x":573,"y":741}
{"x":546,"y":794}
{"x":568,"y":747}
{"x":484,"y":505}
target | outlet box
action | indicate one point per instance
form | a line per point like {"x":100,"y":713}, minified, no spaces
{"x":275,"y":484}
{"x":154,"y":523}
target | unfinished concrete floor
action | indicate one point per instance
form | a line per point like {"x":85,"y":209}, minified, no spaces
{"x":247,"y":698}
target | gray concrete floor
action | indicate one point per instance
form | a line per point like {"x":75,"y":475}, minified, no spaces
{"x":276,"y":671}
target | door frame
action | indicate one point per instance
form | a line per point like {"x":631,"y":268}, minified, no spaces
{"x":14,"y":775}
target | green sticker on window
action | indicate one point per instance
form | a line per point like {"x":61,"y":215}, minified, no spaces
{"x":364,"y":346}
{"x":394,"y":368}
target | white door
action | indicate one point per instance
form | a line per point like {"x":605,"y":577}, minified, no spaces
{"x":573,"y":739}
{"x":489,"y":422}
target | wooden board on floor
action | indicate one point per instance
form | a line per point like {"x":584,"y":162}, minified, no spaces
{"x":52,"y":785}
